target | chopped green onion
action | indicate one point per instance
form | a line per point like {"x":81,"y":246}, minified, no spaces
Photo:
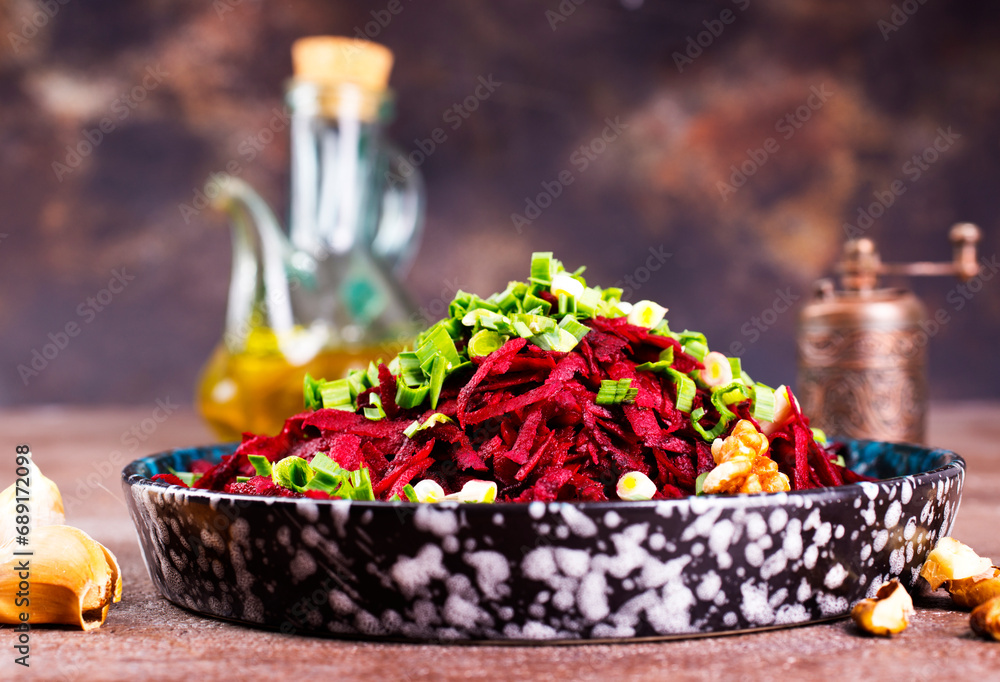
{"x":375,"y":412}
{"x":476,"y":303}
{"x":686,"y":389}
{"x":438,"y":372}
{"x":616,"y":392}
{"x":531,"y":302}
{"x":570,"y":324}
{"x":373,"y":373}
{"x":293,"y":473}
{"x":361,"y":483}
{"x":763,"y":403}
{"x":588,"y":302}
{"x":722,"y":398}
{"x":242,"y":479}
{"x":535,"y":324}
{"x":695,"y":349}
{"x":325,"y":481}
{"x":408,"y":396}
{"x":436,"y":342}
{"x":459,"y":304}
{"x":323,"y":462}
{"x":260,"y":464}
{"x":337,"y":395}
{"x":659,"y":366}
{"x":484,"y":342}
{"x":409,"y":495}
{"x":487,"y":319}
{"x":187,"y":477}
{"x":820,"y":437}
{"x":508,"y":299}
{"x":694,"y":344}
{"x":558,"y":340}
{"x":542,"y":267}
{"x":736,"y":366}
{"x":436,"y":418}
{"x":611,"y":293}
{"x":699,"y":483}
{"x":409,"y":368}
{"x":310,"y":392}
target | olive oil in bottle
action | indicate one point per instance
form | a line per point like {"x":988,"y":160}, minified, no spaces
{"x":256,"y":389}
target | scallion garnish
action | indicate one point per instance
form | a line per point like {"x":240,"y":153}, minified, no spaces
{"x":616,"y":392}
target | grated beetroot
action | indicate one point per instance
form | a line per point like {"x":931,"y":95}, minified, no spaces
{"x":527,"y":418}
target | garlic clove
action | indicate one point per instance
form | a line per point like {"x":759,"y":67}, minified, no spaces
{"x":45,"y":502}
{"x":971,"y":592}
{"x":985,"y":619}
{"x":952,"y":560}
{"x":887,"y":614}
{"x":72,"y":579}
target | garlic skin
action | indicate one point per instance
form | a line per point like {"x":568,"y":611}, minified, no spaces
{"x":73,"y":579}
{"x":45,"y":503}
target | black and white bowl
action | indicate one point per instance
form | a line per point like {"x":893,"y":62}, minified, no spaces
{"x":544,"y":572}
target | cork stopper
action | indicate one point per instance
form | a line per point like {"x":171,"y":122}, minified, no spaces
{"x":331,"y":60}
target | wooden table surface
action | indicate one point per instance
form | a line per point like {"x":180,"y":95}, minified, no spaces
{"x":146,"y":637}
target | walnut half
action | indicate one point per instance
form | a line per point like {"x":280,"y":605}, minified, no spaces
{"x":742,"y":464}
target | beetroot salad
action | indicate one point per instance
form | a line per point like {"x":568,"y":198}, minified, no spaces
{"x":548,"y":390}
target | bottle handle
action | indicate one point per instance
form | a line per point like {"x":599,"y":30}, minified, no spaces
{"x":402,"y":216}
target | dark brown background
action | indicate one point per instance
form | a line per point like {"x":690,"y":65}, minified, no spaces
{"x":223,"y":67}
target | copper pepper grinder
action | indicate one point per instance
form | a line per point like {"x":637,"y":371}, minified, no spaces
{"x":863,"y":350}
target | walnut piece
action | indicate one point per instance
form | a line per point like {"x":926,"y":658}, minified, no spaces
{"x":742,"y":464}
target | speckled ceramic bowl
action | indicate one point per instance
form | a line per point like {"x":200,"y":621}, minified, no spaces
{"x":549,"y":572}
